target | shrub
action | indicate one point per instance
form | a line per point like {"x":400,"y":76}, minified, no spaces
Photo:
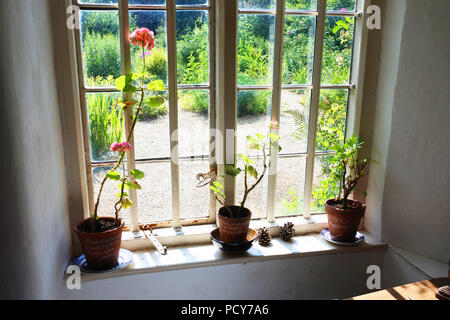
{"x":153,"y":112}
{"x":102,"y":55}
{"x":195,"y":101}
{"x":293,"y":204}
{"x":254,"y":102}
{"x":101,"y":22}
{"x":155,"y":63}
{"x":193,"y":55}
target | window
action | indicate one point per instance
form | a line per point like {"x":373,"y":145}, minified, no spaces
{"x":297,"y":63}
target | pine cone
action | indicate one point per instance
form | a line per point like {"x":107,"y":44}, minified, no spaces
{"x":264,"y":236}
{"x":287,"y":231}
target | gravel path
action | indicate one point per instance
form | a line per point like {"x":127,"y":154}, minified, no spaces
{"x":152,"y":142}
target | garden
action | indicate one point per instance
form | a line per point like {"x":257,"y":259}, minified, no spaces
{"x":101,"y":60}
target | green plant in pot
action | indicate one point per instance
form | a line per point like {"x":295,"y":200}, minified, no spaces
{"x":234,"y":220}
{"x":344,"y":214}
{"x":100,"y":237}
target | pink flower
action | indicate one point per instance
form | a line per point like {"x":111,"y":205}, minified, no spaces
{"x":114,"y":147}
{"x":143,"y":37}
{"x":125,"y":146}
{"x":288,"y":32}
{"x":343,"y":10}
{"x":120,"y":147}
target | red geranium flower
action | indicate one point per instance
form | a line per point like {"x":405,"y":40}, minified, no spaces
{"x":143,"y":37}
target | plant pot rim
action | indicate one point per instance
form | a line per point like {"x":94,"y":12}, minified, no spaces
{"x":87,"y":234}
{"x":361,"y":207}
{"x":245,"y":210}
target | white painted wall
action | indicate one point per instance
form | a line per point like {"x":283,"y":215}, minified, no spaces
{"x":408,"y":202}
{"x":34,"y":229}
{"x":319,"y":277}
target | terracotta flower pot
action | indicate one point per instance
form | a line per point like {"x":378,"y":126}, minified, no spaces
{"x":234,"y":229}
{"x":101,"y":249}
{"x":343,"y":224}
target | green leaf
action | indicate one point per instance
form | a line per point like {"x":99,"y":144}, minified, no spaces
{"x":274,"y":137}
{"x":119,"y":194}
{"x":113,"y":175}
{"x":133,"y":185}
{"x":260,"y":136}
{"x":137,"y":174}
{"x":157,"y":85}
{"x":119,"y":186}
{"x":231,"y":170}
{"x":155,"y":101}
{"x":125,"y":84}
{"x":252,"y":171}
{"x":217,"y":191}
{"x":218,"y":184}
{"x":93,"y":215}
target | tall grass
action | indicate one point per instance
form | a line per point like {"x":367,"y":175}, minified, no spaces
{"x":106,"y":124}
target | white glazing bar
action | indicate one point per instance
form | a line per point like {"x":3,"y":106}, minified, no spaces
{"x":124,"y":25}
{"x":314,"y":108}
{"x":173,"y":111}
{"x":276,"y":101}
{"x":226,"y":92}
{"x":358,"y":71}
{"x":212,"y":103}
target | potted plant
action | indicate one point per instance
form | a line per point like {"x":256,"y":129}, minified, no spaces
{"x":234,"y":220}
{"x":344,"y":215}
{"x":100,"y":237}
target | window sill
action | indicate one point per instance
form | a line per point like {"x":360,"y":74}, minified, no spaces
{"x":200,"y":234}
{"x":149,"y":260}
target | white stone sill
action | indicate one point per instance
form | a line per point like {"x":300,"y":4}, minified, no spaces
{"x":204,"y":255}
{"x":200,"y":234}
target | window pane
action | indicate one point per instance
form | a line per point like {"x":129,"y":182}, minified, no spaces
{"x":257,"y":199}
{"x":192,"y":47}
{"x":290,"y":186}
{"x":194,"y":201}
{"x":257,"y":4}
{"x":191,"y":2}
{"x":322,"y":189}
{"x":151,"y":134}
{"x":98,"y":1}
{"x":332,"y":118}
{"x":255,"y":49}
{"x":155,"y":198}
{"x":301,"y":4}
{"x":298,"y":51}
{"x":193,"y":122}
{"x":254,"y":114}
{"x":100,"y":47}
{"x":294,"y":120}
{"x":337,"y":50}
{"x":106,"y":125}
{"x":341,"y":5}
{"x":156,"y":59}
{"x":148,"y":2}
{"x":108,"y":197}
